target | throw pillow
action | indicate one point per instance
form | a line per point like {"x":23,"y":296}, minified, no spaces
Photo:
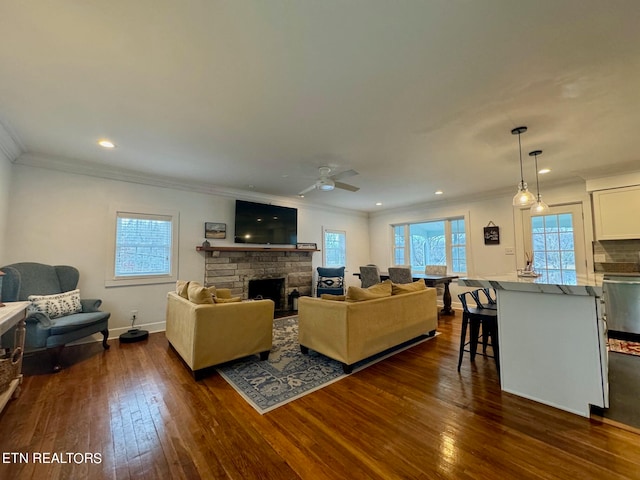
{"x":199,"y":294}
{"x":400,"y":288}
{"x":330,"y":282}
{"x":223,"y":293}
{"x":379,"y":290}
{"x":56,"y":305}
{"x":227,"y":300}
{"x":336,"y":298}
{"x":182,"y":287}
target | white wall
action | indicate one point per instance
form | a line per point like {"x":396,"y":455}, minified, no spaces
{"x":63,"y":218}
{"x":5,"y":187}
{"x":483,"y":259}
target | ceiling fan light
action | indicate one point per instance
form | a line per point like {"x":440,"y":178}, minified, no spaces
{"x":325,"y":184}
{"x":524,"y":198}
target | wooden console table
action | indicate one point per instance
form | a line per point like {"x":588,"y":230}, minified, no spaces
{"x":13,"y":313}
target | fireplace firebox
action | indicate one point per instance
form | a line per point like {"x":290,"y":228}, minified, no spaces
{"x":271,"y":288}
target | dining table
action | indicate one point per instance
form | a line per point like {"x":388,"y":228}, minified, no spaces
{"x":431,"y":280}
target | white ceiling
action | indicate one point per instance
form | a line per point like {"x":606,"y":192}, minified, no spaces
{"x":415,"y":95}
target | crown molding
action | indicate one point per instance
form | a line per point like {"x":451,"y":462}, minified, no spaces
{"x":78,"y":167}
{"x":471,"y":198}
{"x":10,"y":146}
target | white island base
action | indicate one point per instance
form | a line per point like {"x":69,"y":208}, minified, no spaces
{"x":552,"y":342}
{"x":553,"y":349}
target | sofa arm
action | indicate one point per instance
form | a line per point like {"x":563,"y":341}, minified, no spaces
{"x":90,"y":304}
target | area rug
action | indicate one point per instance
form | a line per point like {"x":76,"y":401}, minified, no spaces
{"x":623,"y":346}
{"x":288,"y":374}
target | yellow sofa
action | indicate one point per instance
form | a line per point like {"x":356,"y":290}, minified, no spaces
{"x":212,"y":333}
{"x":352,"y":331}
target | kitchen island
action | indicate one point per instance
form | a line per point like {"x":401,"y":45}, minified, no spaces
{"x":552,"y":340}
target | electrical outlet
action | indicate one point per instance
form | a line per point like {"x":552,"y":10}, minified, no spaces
{"x":509,"y":251}
{"x":134,"y":314}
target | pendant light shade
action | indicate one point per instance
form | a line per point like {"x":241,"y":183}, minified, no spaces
{"x":524,"y":198}
{"x":539,"y":207}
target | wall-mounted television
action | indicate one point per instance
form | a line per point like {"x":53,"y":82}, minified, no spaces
{"x":265,"y":224}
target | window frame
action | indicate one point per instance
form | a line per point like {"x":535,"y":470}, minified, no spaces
{"x":448,"y":241}
{"x":326,"y":230}
{"x":111,"y":280}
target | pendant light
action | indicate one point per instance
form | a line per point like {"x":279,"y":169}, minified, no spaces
{"x":524,"y":198}
{"x":538,"y":208}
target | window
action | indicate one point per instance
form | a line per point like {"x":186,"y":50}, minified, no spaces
{"x":335,"y":248}
{"x":556,"y":242}
{"x":553,"y":247}
{"x":144,"y":248}
{"x":441,"y":242}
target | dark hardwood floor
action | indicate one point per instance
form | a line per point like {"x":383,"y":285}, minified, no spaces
{"x":410,"y":416}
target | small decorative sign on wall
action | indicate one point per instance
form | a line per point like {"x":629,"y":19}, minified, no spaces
{"x":491,"y":234}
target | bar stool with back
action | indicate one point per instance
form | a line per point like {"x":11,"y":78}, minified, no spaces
{"x":478,"y":316}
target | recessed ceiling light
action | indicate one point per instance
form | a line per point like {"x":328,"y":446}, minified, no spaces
{"x":106,"y":144}
{"x":378,"y":203}
{"x":438,"y":192}
{"x":300,"y":195}
{"x":542,"y":171}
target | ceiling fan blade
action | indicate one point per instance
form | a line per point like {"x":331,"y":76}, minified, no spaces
{"x":346,"y":186}
{"x":345,"y":174}
{"x":308,"y":189}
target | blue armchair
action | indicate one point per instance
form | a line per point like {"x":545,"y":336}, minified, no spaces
{"x":330,"y":280}
{"x":24,"y":279}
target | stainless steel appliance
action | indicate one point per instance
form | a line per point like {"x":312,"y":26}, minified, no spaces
{"x":622,"y":303}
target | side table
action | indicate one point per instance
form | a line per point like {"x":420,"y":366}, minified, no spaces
{"x":13,"y":313}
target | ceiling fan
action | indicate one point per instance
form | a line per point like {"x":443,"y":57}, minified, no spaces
{"x":327,"y":182}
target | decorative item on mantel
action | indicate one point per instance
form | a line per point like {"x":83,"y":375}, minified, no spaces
{"x":306,"y":246}
{"x":491,"y":234}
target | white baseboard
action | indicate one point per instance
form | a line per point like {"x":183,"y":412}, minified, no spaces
{"x":114,"y":333}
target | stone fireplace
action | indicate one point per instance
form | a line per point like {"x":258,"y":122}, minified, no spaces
{"x":236,"y":267}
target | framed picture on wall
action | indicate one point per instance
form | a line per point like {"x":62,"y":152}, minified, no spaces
{"x":215,"y":230}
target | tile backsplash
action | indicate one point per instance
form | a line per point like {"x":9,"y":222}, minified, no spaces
{"x":616,"y":255}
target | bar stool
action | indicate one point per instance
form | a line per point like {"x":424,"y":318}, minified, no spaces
{"x":477,"y":316}
{"x":489,"y":298}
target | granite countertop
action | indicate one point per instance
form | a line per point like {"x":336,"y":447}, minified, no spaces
{"x":582,"y":286}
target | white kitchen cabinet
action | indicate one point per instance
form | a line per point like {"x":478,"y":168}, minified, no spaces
{"x":616,"y":213}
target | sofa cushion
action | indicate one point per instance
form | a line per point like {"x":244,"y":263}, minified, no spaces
{"x":57,"y":305}
{"x":182,"y":287}
{"x":379,"y":290}
{"x":400,"y":288}
{"x":337,"y":298}
{"x":227,"y":300}
{"x":199,"y":294}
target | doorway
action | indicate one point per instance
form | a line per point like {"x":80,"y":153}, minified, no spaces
{"x":556,"y":242}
